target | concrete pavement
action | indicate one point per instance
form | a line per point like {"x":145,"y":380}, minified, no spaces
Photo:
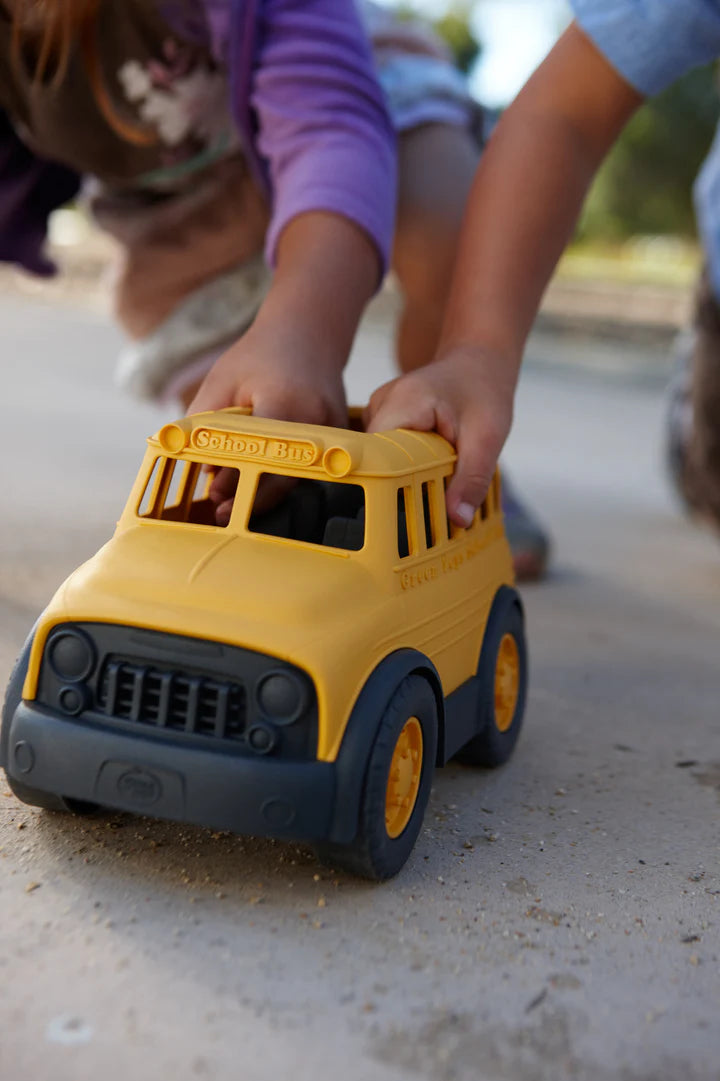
{"x":560,"y":918}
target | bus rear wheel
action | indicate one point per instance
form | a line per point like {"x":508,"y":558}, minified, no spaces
{"x":502,"y":678}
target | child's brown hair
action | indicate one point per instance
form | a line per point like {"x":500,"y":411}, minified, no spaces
{"x":47,"y":29}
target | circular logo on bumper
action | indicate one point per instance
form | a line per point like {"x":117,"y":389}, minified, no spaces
{"x":140,"y":787}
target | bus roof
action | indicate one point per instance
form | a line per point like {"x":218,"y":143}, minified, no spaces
{"x":230,"y":436}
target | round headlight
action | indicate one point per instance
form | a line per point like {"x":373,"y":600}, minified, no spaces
{"x":71,"y":655}
{"x":281,"y":696}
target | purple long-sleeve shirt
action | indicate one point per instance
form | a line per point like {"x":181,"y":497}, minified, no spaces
{"x":305,"y":99}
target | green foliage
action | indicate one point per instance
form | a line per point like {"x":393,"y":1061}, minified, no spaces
{"x":645,"y":186}
{"x":454,"y":27}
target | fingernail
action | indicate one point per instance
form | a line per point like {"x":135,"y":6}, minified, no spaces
{"x":466,"y":513}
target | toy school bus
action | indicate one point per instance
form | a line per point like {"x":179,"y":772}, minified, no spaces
{"x":284,"y":637}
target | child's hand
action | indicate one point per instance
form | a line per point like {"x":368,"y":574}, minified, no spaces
{"x":275,"y":379}
{"x":289,"y":365}
{"x":461,"y":397}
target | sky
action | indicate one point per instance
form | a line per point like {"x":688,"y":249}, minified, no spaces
{"x":516,"y":35}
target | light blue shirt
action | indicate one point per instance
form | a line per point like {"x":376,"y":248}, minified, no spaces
{"x":651,"y":43}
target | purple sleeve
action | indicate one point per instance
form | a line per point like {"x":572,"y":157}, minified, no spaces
{"x":323,"y":127}
{"x":30,"y":189}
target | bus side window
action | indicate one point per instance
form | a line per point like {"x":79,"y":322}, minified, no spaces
{"x":407,"y":544}
{"x":429,"y":513}
{"x":491,"y":503}
{"x":149,"y":498}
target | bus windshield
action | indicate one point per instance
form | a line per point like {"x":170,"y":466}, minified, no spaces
{"x":327,"y":513}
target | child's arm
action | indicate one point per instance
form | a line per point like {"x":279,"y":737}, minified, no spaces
{"x":328,"y":145}
{"x":524,"y":203}
{"x":523,"y":207}
{"x":289,"y":363}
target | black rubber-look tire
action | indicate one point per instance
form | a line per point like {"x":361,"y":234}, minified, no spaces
{"x":374,"y":854}
{"x":32,"y":796}
{"x":494,"y":744}
{"x":35,"y":798}
{"x":13,"y":695}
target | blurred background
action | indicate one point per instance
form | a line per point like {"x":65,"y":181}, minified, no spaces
{"x":635,"y":254}
{"x":638,"y":226}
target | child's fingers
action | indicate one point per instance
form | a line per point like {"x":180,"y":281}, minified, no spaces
{"x":477,"y":433}
{"x":217,"y":391}
{"x":397,"y":405}
{"x":271,"y":490}
{"x":277,"y":401}
{"x":478,"y":449}
{"x":223,"y":485}
{"x":304,"y":404}
{"x":223,"y":512}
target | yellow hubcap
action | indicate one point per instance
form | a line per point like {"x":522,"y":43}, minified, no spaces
{"x":507,"y":682}
{"x":404,"y":779}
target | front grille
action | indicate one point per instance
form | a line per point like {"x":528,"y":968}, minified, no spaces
{"x":173,"y":700}
{"x":174,"y":688}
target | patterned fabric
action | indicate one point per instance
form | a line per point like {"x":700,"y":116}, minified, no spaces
{"x":184,"y":98}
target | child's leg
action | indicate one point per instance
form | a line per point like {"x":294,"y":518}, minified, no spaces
{"x":437,"y":163}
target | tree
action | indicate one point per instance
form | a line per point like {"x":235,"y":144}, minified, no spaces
{"x":645,"y":185}
{"x":455,"y":28}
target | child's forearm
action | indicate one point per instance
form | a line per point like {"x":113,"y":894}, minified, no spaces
{"x":327,"y":270}
{"x":528,"y":193}
{"x":525,"y":200}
